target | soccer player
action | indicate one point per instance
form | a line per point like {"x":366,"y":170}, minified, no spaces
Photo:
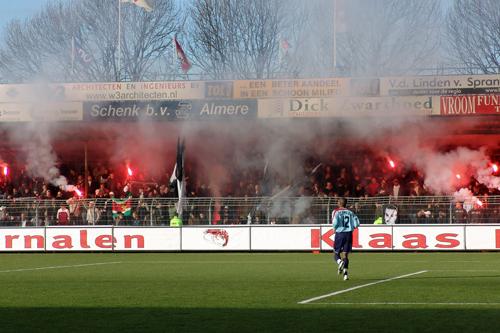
{"x":344,"y":223}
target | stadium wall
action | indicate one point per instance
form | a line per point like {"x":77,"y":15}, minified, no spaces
{"x":249,"y":238}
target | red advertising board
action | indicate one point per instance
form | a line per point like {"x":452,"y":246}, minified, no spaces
{"x":470,"y":105}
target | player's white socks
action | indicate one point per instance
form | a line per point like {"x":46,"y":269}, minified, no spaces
{"x":338,"y":261}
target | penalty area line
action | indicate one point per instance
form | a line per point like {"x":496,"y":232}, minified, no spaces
{"x":59,"y":267}
{"x":358,"y":287}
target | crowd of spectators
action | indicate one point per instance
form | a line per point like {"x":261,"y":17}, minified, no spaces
{"x":363,"y":175}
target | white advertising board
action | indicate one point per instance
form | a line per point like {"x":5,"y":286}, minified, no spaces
{"x":22,"y":239}
{"x":281,"y":238}
{"x":216,"y":238}
{"x":79,"y":239}
{"x":248,"y":238}
{"x":440,"y":85}
{"x":483,"y":237}
{"x":428,"y":237}
{"x":367,"y":237}
{"x":147,"y":239}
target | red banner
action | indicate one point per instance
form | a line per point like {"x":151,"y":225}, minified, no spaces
{"x":470,"y":105}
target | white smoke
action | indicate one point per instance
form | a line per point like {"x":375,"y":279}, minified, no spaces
{"x":463,"y":195}
{"x":41,"y":160}
{"x":445,"y":172}
{"x":302,"y":204}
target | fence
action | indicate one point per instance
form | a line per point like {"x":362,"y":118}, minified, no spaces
{"x":248,"y":210}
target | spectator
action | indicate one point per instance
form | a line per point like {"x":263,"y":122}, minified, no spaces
{"x":136,"y":221}
{"x":75,"y":211}
{"x":91,"y":185}
{"x":475,"y":215}
{"x":63,"y":216}
{"x":421,"y":217}
{"x":92,"y":213}
{"x":396,"y":189}
{"x":459,"y":213}
{"x":373,"y":187}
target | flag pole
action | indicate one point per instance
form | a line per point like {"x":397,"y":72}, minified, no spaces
{"x":72,"y":55}
{"x":334,"y":36}
{"x":71,"y":9}
{"x":119,"y":38}
{"x":174,"y":52}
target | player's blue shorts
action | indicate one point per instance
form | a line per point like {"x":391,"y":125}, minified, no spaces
{"x":343,"y":242}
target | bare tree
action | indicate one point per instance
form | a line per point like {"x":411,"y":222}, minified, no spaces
{"x":238,"y":38}
{"x":388,"y":37}
{"x":474,"y":34}
{"x":78,"y":40}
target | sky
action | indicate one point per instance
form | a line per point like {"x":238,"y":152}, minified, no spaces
{"x":20,"y":9}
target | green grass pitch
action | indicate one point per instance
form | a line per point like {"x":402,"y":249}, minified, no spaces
{"x":242,"y":292}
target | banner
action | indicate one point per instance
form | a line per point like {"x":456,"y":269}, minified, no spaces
{"x":346,"y":107}
{"x":53,"y":111}
{"x":102,"y":91}
{"x":314,"y":88}
{"x":251,"y":89}
{"x":219,"y":89}
{"x":170,"y":110}
{"x":470,"y":105}
{"x":439,"y":85}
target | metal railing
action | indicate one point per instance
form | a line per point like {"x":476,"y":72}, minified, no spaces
{"x":247,"y":210}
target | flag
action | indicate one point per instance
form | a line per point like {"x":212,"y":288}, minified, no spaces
{"x":283,"y":49}
{"x":122,"y":206}
{"x":141,"y":3}
{"x":78,"y":52}
{"x":178,"y":176}
{"x":285,"y":45}
{"x":185,"y":64}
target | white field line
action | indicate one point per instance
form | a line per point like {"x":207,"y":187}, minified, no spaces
{"x":59,"y":267}
{"x":466,"y":270}
{"x":357,"y":287}
{"x":407,"y":303}
{"x":476,"y":261}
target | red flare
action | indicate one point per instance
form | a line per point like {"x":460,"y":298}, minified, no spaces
{"x":5,"y":171}
{"x":458,"y":176}
{"x":479,"y":202}
{"x":494,"y":167}
{"x":391,"y":163}
{"x":78,"y":192}
{"x":129,"y":171}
